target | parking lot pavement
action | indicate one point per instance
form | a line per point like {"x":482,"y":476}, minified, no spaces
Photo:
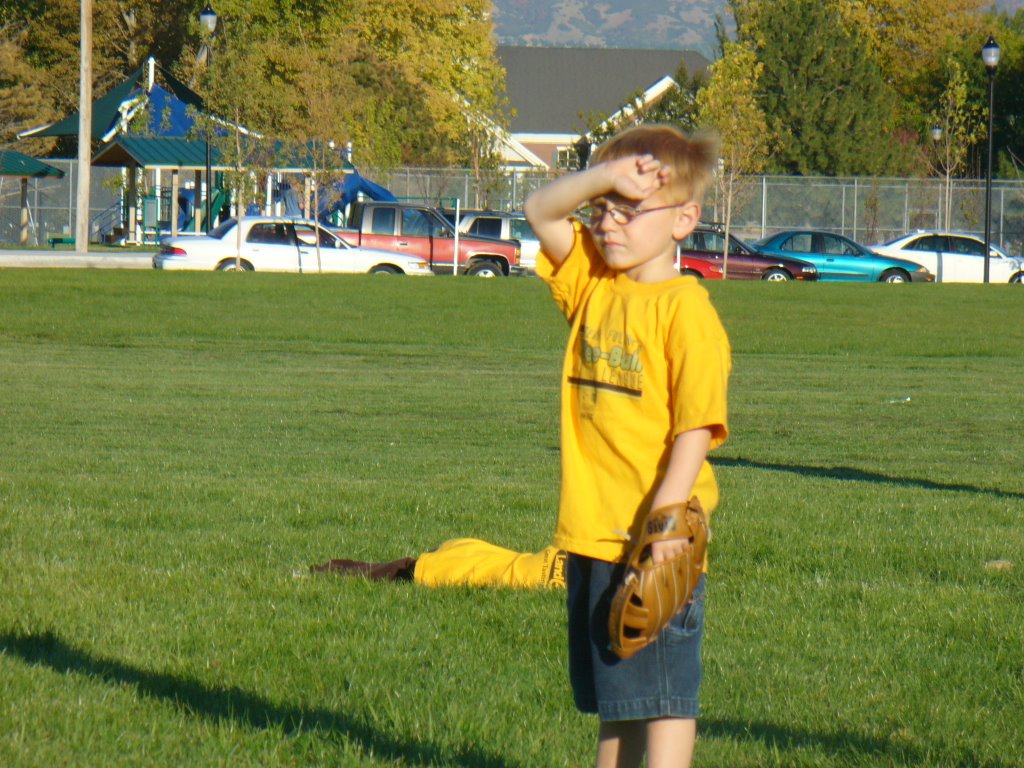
{"x":97,"y":260}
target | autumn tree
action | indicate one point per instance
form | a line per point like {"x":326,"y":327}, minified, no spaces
{"x":240,"y":109}
{"x":323,"y":86}
{"x":426,"y":60}
{"x":414,"y":63}
{"x":958,"y":124}
{"x":905,"y":38}
{"x":125,"y":33}
{"x":22,"y":102}
{"x":729,"y":105}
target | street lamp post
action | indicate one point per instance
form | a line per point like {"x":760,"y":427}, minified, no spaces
{"x":208,"y":18}
{"x":936,"y":133}
{"x":990,"y":56}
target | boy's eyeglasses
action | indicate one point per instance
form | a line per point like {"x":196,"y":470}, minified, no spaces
{"x":621,"y":214}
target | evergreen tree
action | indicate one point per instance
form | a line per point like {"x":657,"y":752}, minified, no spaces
{"x":1008,"y":115}
{"x":828,"y":106}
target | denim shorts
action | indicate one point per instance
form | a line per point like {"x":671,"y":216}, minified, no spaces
{"x":662,"y":680}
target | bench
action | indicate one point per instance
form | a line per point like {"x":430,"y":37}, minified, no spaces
{"x":62,"y":239}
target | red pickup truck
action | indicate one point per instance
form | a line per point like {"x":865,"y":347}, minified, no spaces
{"x":419,"y":230}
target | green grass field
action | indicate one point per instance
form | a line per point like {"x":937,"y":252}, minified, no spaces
{"x":174,"y":446}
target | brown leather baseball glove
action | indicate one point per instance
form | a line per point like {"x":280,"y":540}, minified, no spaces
{"x":651,"y":594}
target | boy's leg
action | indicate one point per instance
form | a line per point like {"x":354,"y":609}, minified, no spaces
{"x":620,"y":744}
{"x":670,"y":742}
{"x":480,"y":563}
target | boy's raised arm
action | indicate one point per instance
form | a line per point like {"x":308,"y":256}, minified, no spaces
{"x":548,"y":210}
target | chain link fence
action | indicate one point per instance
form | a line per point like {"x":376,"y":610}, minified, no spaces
{"x":492,"y":190}
{"x":875,"y":210}
{"x":869,"y":210}
{"x":51,"y":203}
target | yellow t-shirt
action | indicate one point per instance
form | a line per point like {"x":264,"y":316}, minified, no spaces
{"x":644,"y":363}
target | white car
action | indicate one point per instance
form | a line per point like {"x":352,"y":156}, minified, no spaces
{"x":955,"y":257}
{"x":275,"y":244}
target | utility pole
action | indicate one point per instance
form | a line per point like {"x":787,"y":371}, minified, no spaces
{"x":84,"y":131}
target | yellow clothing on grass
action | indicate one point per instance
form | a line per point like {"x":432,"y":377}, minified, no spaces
{"x":644,"y":363}
{"x":477,"y":563}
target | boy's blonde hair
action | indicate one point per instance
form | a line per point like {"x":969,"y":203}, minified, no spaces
{"x":692,"y":159}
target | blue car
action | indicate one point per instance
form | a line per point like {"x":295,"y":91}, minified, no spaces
{"x":840,"y":258}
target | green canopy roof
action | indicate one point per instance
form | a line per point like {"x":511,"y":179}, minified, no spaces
{"x":16,"y":164}
{"x":167,"y":153}
{"x":156,"y":152}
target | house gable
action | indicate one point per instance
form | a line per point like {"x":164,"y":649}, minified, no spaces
{"x":552,"y":90}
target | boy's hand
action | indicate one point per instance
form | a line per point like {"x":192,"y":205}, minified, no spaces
{"x":636,"y":177}
{"x":666,"y":550}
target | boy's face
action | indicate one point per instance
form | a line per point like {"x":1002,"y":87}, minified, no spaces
{"x":640,"y":238}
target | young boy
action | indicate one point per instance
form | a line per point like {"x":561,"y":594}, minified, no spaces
{"x":643,"y":400}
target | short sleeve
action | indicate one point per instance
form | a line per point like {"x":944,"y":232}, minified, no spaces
{"x":568,"y":281}
{"x":700,"y":363}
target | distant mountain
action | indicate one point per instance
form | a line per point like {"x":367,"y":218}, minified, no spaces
{"x":673,"y":24}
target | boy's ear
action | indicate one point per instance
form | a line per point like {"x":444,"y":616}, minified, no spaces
{"x":687,"y":217}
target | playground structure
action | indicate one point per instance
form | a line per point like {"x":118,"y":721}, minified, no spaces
{"x":170,"y":180}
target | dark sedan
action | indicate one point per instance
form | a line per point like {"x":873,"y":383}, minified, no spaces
{"x":744,"y":263}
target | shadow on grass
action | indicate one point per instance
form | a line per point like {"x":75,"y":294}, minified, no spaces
{"x":234,"y":704}
{"x":253,"y":711}
{"x":839,"y":746}
{"x":859,"y":475}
